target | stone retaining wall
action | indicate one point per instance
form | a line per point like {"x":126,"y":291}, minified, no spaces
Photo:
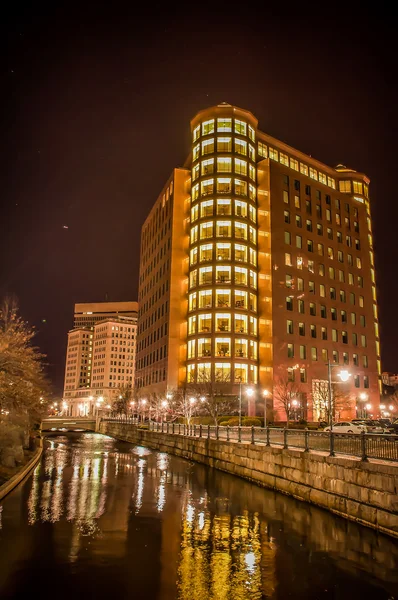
{"x":362,"y":492}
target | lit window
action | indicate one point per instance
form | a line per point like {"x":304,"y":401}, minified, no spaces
{"x":223,"y":207}
{"x":207,"y":187}
{"x":241,"y":231}
{"x":190,"y":373}
{"x":191,"y":349}
{"x":223,"y":347}
{"x":240,"y":166}
{"x":223,"y":322}
{"x":204,"y":322}
{"x":290,"y":350}
{"x":223,"y":251}
{"x":195,"y":152}
{"x":252,"y":278}
{"x":195,"y":175}
{"x":194,"y":256}
{"x":288,"y":259}
{"x":205,"y":299}
{"x":192,"y":325}
{"x":224,"y":144}
{"x":194,"y":234}
{"x":262,"y":150}
{"x":252,"y":192}
{"x":294,"y":164}
{"x":240,"y":187}
{"x":194,"y":213}
{"x":240,"y":276}
{"x":204,"y":372}
{"x":273,"y":154}
{"x":195,"y":192}
{"x":313,"y":173}
{"x":303,"y":169}
{"x":223,"y":274}
{"x":240,"y":323}
{"x":252,"y":153}
{"x":345,"y":187}
{"x":240,"y":373}
{"x":322,"y":178}
{"x":205,"y":275}
{"x":252,"y":134}
{"x":240,"y":146}
{"x":207,"y":146}
{"x":224,"y":165}
{"x":240,"y":127}
{"x":196,"y":133}
{"x":358,"y":187}
{"x":206,"y":230}
{"x":208,"y":127}
{"x":240,"y":208}
{"x":207,"y":166}
{"x":224,"y":125}
{"x":206,"y":208}
{"x":241,"y":299}
{"x":252,"y":172}
{"x":192,"y":301}
{"x":223,"y":185}
{"x":240,"y":253}
{"x":206,"y":252}
{"x":223,"y":298}
{"x":253,"y":257}
{"x":223,"y":228}
{"x":222,"y":372}
{"x":204,"y":347}
{"x":284,"y":159}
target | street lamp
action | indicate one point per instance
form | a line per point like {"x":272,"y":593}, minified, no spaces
{"x":250,"y":393}
{"x":203,"y":398}
{"x":266,"y":393}
{"x":344,"y":376}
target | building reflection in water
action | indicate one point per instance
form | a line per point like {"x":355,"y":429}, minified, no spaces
{"x":216,"y":536}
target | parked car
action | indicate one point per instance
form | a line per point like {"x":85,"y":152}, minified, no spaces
{"x":372,"y":425}
{"x":385,"y":422}
{"x":393,"y":428}
{"x":347,"y":427}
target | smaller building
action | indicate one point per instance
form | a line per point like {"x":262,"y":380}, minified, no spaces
{"x":99,"y":364}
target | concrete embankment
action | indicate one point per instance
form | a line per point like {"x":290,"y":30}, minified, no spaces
{"x":9,"y":485}
{"x":363,"y":492}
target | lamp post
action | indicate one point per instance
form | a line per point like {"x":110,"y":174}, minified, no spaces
{"x":266,"y":393}
{"x":363,"y":396}
{"x":344,"y":376}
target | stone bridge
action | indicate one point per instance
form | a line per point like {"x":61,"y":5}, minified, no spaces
{"x":68,"y":423}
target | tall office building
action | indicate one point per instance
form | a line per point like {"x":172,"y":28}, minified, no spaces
{"x":257,"y":268}
{"x":100,"y":357}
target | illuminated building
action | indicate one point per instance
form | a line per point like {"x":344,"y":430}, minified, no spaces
{"x":100,"y":358}
{"x":257,"y":264}
{"x":87,"y":314}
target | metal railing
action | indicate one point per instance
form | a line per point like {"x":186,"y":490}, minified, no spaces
{"x":362,"y":445}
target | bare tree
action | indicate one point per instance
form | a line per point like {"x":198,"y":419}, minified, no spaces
{"x":121,"y":405}
{"x":341,"y":400}
{"x":184,"y":404}
{"x":211,"y":395}
{"x":285,"y":391}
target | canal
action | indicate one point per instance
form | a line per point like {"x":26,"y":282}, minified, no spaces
{"x":99,"y":518}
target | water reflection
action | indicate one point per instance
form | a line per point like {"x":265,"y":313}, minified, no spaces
{"x":132,"y":519}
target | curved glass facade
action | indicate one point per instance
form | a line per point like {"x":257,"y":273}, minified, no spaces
{"x":222,"y":342}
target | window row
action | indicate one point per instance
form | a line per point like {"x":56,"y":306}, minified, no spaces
{"x":224,"y":124}
{"x":222,"y":299}
{"x":223,"y":145}
{"x":223,"y":251}
{"x":265,"y":151}
{"x":320,"y":248}
{"x":222,"y":372}
{"x":322,"y":309}
{"x":236,"y":323}
{"x":332,"y":272}
{"x":299,"y":285}
{"x":223,"y":207}
{"x":223,"y":229}
{"x":337,"y":336}
{"x":224,"y":347}
{"x":322,"y":332}
{"x":223,"y":274}
{"x":224,"y":164}
{"x":223,"y":185}
{"x":298,"y":220}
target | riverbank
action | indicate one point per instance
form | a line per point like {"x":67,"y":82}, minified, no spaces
{"x":363,"y":492}
{"x":10,"y":478}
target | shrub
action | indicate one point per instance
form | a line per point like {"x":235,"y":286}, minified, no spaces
{"x":251,"y":421}
{"x":11,"y":441}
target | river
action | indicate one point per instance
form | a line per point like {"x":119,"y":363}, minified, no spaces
{"x":100,"y":518}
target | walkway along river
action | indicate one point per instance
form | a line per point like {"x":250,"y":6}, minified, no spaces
{"x":101,"y":518}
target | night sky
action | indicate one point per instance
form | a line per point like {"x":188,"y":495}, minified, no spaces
{"x":96,"y":111}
